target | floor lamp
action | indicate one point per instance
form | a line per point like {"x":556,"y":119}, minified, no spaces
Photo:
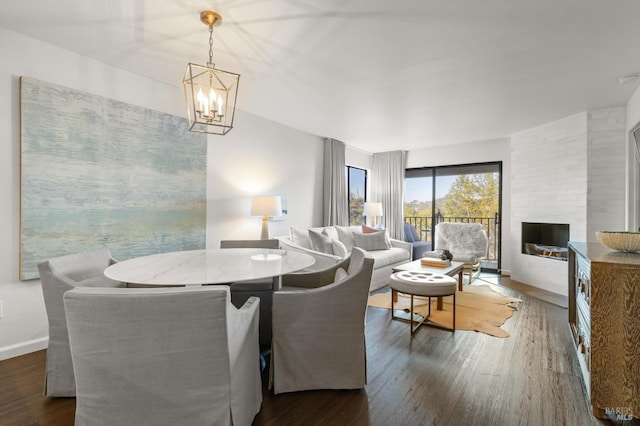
{"x":265,"y":206}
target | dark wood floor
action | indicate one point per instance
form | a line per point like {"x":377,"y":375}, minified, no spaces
{"x":437,"y":377}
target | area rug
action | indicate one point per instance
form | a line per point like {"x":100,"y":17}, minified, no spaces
{"x":478,"y":308}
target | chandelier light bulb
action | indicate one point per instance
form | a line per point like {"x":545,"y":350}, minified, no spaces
{"x":220,"y":103}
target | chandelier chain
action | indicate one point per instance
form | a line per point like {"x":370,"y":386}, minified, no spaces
{"x":210,"y":63}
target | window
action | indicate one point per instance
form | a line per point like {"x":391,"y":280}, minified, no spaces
{"x":456,"y":193}
{"x":356,"y":193}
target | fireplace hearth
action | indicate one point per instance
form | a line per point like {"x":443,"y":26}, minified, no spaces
{"x":545,"y":239}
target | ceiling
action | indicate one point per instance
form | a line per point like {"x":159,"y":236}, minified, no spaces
{"x":378,"y":75}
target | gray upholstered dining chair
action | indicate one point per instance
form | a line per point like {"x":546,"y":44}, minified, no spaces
{"x":319,"y":327}
{"x":261,"y":288}
{"x":164,"y":356}
{"x":57,"y":276}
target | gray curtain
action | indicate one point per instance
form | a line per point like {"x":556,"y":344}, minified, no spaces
{"x":387,"y":187}
{"x":335,"y":210}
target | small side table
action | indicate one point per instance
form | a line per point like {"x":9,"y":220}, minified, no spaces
{"x":428,"y":284}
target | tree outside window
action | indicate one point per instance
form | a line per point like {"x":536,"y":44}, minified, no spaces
{"x":356,"y":193}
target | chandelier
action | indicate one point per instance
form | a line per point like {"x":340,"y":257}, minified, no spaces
{"x":210,"y":93}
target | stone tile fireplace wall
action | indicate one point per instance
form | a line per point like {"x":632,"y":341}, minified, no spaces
{"x":568,"y":171}
{"x":607,"y":160}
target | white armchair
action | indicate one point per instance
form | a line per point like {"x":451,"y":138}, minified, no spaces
{"x":161,"y":356}
{"x":319,"y":331}
{"x":467,"y":242}
{"x":57,"y":276}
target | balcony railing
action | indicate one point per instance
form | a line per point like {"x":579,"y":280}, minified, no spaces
{"x":489,"y":224}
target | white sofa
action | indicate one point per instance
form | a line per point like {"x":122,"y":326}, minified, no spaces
{"x":385,"y":259}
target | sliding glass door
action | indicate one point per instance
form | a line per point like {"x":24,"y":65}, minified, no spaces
{"x":418,"y":206}
{"x":461,"y":193}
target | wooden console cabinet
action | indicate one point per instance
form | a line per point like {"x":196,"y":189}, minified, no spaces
{"x":604,"y":317}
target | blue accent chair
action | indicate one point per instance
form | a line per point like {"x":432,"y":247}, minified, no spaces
{"x":411,"y":235}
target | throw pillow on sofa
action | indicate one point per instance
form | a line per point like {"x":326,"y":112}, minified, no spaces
{"x":323,"y":243}
{"x":345,"y":235}
{"x":371,"y":242}
{"x":300,"y":236}
{"x":339,"y":249}
{"x":369,"y":230}
{"x":331,"y":232}
{"x":320,"y":242}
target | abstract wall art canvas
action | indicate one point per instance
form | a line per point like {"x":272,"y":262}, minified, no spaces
{"x":96,"y":172}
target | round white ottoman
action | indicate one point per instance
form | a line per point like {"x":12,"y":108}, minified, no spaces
{"x":427,"y":284}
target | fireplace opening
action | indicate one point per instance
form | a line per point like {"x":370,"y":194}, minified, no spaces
{"x":545,"y":239}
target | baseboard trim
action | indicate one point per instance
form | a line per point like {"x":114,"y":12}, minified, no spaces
{"x":23,"y":348}
{"x":533,"y":291}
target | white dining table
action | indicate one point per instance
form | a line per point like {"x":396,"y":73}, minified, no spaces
{"x":208,"y":266}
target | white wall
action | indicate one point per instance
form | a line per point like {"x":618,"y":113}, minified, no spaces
{"x":477,"y":152}
{"x":262,"y":157}
{"x":357,"y":158}
{"x":606,"y":174}
{"x":632,"y":168}
{"x":273,"y":158}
